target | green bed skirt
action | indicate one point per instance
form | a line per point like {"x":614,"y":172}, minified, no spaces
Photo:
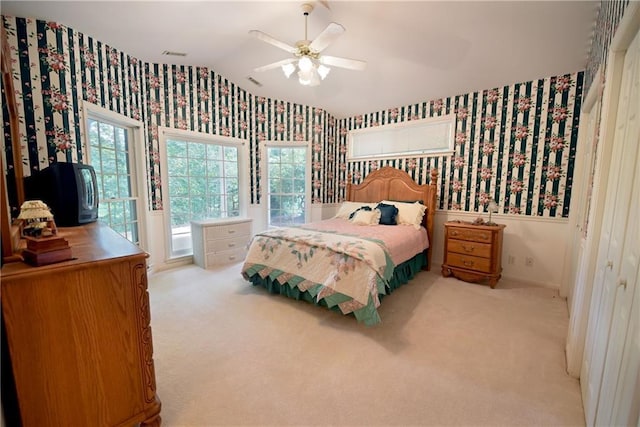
{"x":368,"y":314}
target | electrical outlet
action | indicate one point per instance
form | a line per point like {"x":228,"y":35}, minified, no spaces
{"x":528,"y":261}
{"x":511,"y":259}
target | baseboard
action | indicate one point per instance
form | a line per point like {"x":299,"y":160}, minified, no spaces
{"x":437,"y":266}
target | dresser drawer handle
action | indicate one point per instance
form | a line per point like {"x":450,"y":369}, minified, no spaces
{"x":232,"y":257}
{"x":468,"y":248}
{"x":231,"y":245}
{"x":232,"y":231}
{"x":454,"y":233}
{"x":468,"y":263}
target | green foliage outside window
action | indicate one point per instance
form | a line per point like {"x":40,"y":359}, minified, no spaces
{"x":203,"y":181}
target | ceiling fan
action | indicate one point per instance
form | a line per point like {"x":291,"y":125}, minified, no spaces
{"x":307,"y":59}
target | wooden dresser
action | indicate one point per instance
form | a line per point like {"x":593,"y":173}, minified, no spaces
{"x":219,"y":242}
{"x":78,"y":335}
{"x":473,"y":253}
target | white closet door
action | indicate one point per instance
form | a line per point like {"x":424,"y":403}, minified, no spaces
{"x":625,"y":282}
{"x":626,"y":402}
{"x":609,"y":267}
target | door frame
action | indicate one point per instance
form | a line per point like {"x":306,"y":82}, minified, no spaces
{"x":141,"y":180}
{"x":587,"y":299}
{"x":583,"y":292}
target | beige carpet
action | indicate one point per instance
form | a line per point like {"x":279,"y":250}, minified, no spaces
{"x":447,"y":353}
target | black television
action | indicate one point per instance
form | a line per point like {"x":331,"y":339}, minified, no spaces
{"x":69,"y":189}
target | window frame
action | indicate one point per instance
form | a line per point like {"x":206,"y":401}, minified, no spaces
{"x":265,"y":175}
{"x":165,"y":133}
{"x":137,"y":165}
{"x":449,"y":119}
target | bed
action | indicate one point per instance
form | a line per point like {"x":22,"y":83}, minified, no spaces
{"x":349,"y":263}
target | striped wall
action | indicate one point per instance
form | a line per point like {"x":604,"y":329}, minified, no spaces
{"x":609,"y":16}
{"x":55,"y":68}
{"x":514,"y":144}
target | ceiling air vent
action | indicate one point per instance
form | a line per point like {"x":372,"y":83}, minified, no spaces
{"x":170,"y":53}
{"x":254,"y":81}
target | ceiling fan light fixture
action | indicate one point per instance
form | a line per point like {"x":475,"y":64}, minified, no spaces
{"x":305,"y":64}
{"x":288,"y":69}
{"x":305,"y":77}
{"x":307,"y":60}
{"x":323,"y":71}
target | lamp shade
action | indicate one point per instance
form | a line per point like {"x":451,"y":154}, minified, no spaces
{"x":305,"y":64}
{"x":288,"y":69}
{"x":492,"y":207}
{"x":35,"y":209}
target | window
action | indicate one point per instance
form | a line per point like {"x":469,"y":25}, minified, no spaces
{"x":417,"y":137}
{"x":111,"y":152}
{"x":288,"y":177}
{"x":202,"y":179}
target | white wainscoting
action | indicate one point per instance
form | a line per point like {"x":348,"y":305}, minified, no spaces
{"x":544,"y":240}
{"x":541,"y":239}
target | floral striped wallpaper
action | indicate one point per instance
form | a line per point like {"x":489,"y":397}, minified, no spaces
{"x":609,"y":16}
{"x":514,"y":144}
{"x":55,"y":68}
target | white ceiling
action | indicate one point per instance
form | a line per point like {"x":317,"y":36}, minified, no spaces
{"x":416,"y":51}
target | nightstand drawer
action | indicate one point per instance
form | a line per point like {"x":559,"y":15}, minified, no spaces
{"x":470,"y":248}
{"x":469,"y":234}
{"x":231,"y":230}
{"x":469,"y":262}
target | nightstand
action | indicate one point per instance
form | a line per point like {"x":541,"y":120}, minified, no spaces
{"x":473,"y":253}
{"x":219,"y":242}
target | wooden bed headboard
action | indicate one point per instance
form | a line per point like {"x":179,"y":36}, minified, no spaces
{"x":388,"y":183}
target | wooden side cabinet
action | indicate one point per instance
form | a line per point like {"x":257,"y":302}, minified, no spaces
{"x":473,"y":253}
{"x":220,"y":242}
{"x":78,"y":335}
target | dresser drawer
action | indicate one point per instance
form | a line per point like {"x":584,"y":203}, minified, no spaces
{"x":230,"y":230}
{"x":227,"y":244}
{"x":227,"y":257}
{"x":470,"y":248}
{"x":218,"y":242}
{"x":469,"y":262}
{"x":469,"y":234}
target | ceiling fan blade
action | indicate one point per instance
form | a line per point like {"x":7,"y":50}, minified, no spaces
{"x":326,"y":37}
{"x":268,"y":39}
{"x":274,"y":65}
{"x":350,"y":64}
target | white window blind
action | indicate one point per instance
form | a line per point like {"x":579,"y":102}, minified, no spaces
{"x":417,"y":137}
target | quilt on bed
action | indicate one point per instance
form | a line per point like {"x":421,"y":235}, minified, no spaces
{"x":333,"y":263}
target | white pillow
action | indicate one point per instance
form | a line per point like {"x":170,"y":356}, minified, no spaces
{"x":409,"y":213}
{"x":367,"y":217}
{"x":347,"y":208}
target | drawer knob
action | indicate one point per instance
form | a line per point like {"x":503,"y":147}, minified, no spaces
{"x":232,"y":231}
{"x":468,"y":248}
{"x":468,"y":263}
{"x":454,"y":233}
{"x":231,"y":245}
{"x":232,"y":257}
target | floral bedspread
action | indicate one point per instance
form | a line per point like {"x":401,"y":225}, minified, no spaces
{"x":344,"y":270}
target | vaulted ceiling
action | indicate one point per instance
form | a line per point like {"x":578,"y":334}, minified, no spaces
{"x":415,"y":51}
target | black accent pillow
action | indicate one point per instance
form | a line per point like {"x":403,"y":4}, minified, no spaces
{"x":363,"y":208}
{"x":388,"y":214}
